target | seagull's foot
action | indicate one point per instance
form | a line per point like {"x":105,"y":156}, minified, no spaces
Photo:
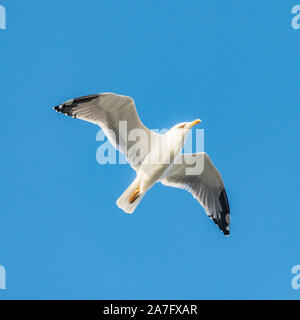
{"x":134,"y":195}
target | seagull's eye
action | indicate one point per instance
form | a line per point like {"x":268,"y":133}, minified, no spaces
{"x":181,"y":126}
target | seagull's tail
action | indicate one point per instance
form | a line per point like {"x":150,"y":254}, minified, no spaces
{"x":131,"y":197}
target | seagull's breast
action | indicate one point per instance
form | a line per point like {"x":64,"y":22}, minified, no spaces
{"x":156,"y":164}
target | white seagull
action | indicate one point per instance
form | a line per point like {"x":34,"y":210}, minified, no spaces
{"x":154,"y":164}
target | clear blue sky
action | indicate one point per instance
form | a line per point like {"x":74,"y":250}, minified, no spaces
{"x":234,"y":65}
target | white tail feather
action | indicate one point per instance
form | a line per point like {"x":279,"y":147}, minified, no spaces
{"x":123,"y":202}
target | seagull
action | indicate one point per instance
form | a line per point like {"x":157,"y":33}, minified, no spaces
{"x":161,"y":159}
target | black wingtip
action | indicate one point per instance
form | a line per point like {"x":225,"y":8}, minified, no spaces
{"x":223,"y":227}
{"x":86,"y":98}
{"x":69,"y":106}
{"x":224,"y":222}
{"x":226,"y":233}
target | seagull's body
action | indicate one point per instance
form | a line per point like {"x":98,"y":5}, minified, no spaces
{"x":160,"y":159}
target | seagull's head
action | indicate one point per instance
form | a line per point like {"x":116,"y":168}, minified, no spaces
{"x":177,"y":134}
{"x":183,"y":127}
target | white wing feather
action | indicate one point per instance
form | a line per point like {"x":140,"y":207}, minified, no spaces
{"x":206,"y":186}
{"x":107,"y":110}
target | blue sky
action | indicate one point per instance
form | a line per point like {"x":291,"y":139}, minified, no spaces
{"x":234,"y":65}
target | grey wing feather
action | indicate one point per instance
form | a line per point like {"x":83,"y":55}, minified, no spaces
{"x":107,"y":110}
{"x":206,"y":186}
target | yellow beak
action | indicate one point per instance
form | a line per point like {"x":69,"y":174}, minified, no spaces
{"x":194,"y":123}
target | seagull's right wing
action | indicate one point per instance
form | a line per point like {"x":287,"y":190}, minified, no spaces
{"x":107,"y":110}
{"x":205,"y":184}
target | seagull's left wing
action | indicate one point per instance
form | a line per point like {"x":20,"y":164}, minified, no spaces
{"x":206,"y":186}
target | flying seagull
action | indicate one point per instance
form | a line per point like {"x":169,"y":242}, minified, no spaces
{"x":161,"y":159}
